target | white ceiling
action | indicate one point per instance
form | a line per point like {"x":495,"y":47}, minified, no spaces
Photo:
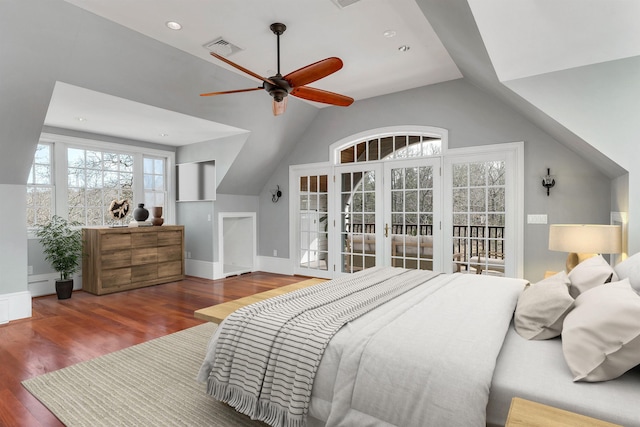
{"x":527,"y":38}
{"x":85,"y":110}
{"x":316,"y":29}
{"x":538,"y":49}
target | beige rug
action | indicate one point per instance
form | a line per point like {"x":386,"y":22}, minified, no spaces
{"x":149,"y":384}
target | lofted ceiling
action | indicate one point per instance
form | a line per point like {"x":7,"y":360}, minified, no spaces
{"x":571,"y":67}
{"x":358,"y":34}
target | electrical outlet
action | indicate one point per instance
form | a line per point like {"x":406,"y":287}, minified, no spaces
{"x":189,"y":255}
{"x":275,"y":252}
{"x":30,"y":269}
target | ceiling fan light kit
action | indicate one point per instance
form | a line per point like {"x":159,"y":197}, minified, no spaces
{"x":294,"y":83}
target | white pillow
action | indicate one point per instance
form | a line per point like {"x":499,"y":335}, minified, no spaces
{"x":630,"y":268}
{"x":601,"y":335}
{"x":589,"y":273}
{"x":542,"y":308}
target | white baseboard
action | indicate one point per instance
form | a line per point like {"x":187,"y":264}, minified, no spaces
{"x":45,"y":284}
{"x":15,"y":306}
{"x":275,"y":265}
{"x":197,"y":268}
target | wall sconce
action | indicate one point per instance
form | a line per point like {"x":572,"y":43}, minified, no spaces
{"x":548,"y":181}
{"x":276,"y":194}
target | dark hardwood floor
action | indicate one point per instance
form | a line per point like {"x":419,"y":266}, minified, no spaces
{"x":64,"y":332}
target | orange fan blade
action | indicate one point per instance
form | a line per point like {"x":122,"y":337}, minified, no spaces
{"x":241,"y":68}
{"x":313,"y":72}
{"x":319,"y":95}
{"x":231,"y":91}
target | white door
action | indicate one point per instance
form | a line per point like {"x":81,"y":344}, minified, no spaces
{"x":483,"y":199}
{"x":388,"y":214}
{"x":412,"y":214}
{"x":311,"y":210}
{"x":359,"y":216}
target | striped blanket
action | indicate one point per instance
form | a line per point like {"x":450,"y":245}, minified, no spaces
{"x":264,"y":357}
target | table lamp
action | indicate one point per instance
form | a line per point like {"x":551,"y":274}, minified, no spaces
{"x":583,"y":241}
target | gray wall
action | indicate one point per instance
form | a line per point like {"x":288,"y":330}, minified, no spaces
{"x":582,"y":194}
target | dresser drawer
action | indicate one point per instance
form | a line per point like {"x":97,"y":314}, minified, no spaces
{"x":169,"y":253}
{"x":168,"y":269}
{"x":140,"y":273}
{"x":109,"y":242}
{"x":115,"y":259}
{"x":144,"y":256}
{"x":169,"y":238}
{"x":116,"y":277}
{"x":144,"y":240}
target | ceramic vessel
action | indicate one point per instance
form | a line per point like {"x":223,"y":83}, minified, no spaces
{"x":140,"y":213}
{"x":157,"y":215}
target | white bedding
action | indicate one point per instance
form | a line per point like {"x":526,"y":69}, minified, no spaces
{"x":536,"y":370}
{"x":425,"y":358}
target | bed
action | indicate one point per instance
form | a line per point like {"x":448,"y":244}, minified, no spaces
{"x":442,"y":351}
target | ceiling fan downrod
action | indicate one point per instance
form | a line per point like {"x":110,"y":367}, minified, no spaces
{"x":278,"y":29}
{"x":282,"y":88}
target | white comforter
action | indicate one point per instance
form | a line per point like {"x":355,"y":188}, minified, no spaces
{"x":424,"y":359}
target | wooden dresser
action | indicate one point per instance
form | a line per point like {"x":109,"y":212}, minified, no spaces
{"x":119,"y":259}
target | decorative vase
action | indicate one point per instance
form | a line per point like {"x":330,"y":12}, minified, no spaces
{"x":140,"y":213}
{"x":64,"y":288}
{"x":157,"y":215}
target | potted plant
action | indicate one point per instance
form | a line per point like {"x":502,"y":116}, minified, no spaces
{"x":62,"y":243}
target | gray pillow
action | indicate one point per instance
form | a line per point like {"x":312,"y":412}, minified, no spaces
{"x":589,"y":273}
{"x":630,"y":268}
{"x":601,"y":335}
{"x":542,"y":308}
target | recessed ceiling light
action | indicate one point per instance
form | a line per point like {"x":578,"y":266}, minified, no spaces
{"x":404,"y":48}
{"x":164,"y":134}
{"x":173,"y":25}
{"x":81,"y":119}
{"x":389,"y":33}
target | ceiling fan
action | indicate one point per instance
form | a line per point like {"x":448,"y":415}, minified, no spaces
{"x":294,"y":83}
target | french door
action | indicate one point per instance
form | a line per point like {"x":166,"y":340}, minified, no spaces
{"x":388,"y":214}
{"x":457,"y":213}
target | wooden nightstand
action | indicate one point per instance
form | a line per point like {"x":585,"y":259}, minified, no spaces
{"x":532,"y":414}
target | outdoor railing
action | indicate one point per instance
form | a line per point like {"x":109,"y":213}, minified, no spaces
{"x":468,"y":240}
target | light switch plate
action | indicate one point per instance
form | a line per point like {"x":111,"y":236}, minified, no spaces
{"x":537,"y":219}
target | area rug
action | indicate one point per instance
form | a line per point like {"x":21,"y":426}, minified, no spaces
{"x":149,"y":384}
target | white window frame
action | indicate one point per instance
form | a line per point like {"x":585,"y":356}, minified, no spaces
{"x":52,"y":184}
{"x":513,"y":155}
{"x":59,"y":161}
{"x":513,"y":152}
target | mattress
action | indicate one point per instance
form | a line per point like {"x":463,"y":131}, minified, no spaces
{"x":536,"y":370}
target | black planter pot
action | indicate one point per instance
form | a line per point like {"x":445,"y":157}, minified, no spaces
{"x":64,"y":288}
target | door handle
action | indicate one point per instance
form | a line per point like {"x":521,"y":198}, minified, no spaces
{"x":386,"y":230}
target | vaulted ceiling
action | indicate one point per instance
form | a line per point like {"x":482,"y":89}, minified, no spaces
{"x":571,"y":67}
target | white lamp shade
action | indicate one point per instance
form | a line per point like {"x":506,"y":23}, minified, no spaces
{"x":585,"y":238}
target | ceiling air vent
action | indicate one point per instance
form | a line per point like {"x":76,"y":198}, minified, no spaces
{"x":221,"y":47}
{"x":344,"y":3}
